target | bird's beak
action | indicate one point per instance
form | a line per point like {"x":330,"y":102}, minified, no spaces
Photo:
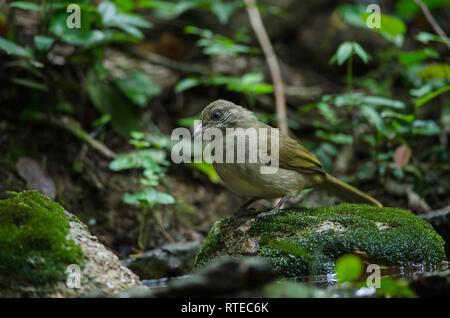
{"x":198,"y":130}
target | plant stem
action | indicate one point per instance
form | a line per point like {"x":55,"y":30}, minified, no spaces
{"x":436,"y":27}
{"x":349,"y":74}
{"x":272,"y":62}
{"x":141,"y":242}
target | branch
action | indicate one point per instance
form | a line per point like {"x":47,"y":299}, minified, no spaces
{"x":272,"y":62}
{"x":432,"y":21}
{"x":169,"y":63}
{"x":75,"y":129}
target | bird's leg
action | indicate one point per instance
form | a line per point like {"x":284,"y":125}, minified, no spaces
{"x":247,"y":204}
{"x":275,"y":209}
{"x":243,"y":209}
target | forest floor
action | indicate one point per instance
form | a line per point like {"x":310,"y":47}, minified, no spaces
{"x":94,"y":193}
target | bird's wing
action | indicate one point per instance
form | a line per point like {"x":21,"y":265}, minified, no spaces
{"x":294,"y":156}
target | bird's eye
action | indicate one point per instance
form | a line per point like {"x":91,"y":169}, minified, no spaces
{"x":216,"y":115}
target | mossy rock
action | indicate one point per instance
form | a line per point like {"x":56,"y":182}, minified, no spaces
{"x":33,"y":245}
{"x":301,"y":241}
{"x":39,"y":239}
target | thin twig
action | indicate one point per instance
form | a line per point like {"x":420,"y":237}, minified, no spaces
{"x":75,"y":128}
{"x":272,"y":62}
{"x":169,"y":63}
{"x":192,"y":68}
{"x":432,"y":21}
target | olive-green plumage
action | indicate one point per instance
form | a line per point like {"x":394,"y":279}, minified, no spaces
{"x":298,"y":168}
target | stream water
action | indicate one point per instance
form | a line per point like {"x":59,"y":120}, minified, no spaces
{"x":327,"y":281}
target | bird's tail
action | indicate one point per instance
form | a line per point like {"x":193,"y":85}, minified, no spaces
{"x":346,"y":192}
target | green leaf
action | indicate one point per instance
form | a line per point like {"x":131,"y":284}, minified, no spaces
{"x":343,"y":52}
{"x":167,"y":10}
{"x":43,"y":43}
{"x":407,"y":8}
{"x":436,"y":70}
{"x":85,"y":37}
{"x":25,"y":5}
{"x":65,"y":106}
{"x":148,"y":197}
{"x":223,"y":10}
{"x":126,"y":5}
{"x":139,"y":144}
{"x":109,"y":101}
{"x":415,"y":57}
{"x":207,"y":169}
{"x":425,"y":127}
{"x":352,"y":14}
{"x":30,"y":83}
{"x":249,"y":83}
{"x":12,"y":48}
{"x":188,"y":121}
{"x":382,"y":101}
{"x":393,"y":288}
{"x":147,"y":159}
{"x":338,"y":138}
{"x":125,"y":162}
{"x":186,"y":84}
{"x":218,"y":44}
{"x":372,"y":117}
{"x":432,"y":95}
{"x":391,"y":114}
{"x":28,"y":114}
{"x":138,"y":135}
{"x":102,"y":121}
{"x":426,"y":38}
{"x":114,"y":17}
{"x":348,"y":268}
{"x":353,"y":99}
{"x":346,"y":50}
{"x":326,"y":111}
{"x":361,"y":53}
{"x":388,"y":24}
{"x":139,"y":88}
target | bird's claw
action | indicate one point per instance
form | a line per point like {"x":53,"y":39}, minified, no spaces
{"x":264,"y":214}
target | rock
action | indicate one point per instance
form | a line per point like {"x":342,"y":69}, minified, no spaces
{"x":433,"y":285}
{"x":42,"y":244}
{"x":440,"y":219}
{"x":36,"y":177}
{"x":301,"y":241}
{"x":223,"y":277}
{"x":174,"y":259}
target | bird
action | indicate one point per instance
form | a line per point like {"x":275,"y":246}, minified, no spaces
{"x":298,"y":168}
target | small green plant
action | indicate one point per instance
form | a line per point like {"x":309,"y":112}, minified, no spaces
{"x":219,"y":44}
{"x":151,"y":159}
{"x":345,"y":53}
{"x":250,"y":83}
{"x":397,"y":125}
{"x":349,"y":269}
{"x":35,"y":67}
{"x":214,"y":44}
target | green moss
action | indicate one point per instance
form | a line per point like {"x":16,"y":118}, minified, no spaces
{"x":388,"y":236}
{"x":211,"y":243}
{"x":34,"y":249}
